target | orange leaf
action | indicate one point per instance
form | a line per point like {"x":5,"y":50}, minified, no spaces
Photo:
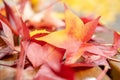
{"x":71,"y":37}
{"x":60,"y":39}
{"x":74,"y":26}
{"x":89,"y":29}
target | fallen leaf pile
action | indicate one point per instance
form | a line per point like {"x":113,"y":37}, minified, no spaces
{"x":52,"y":47}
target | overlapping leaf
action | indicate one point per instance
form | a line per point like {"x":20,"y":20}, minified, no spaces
{"x":39,"y":55}
{"x":73,"y":35}
{"x":17,"y":23}
{"x":7,"y":34}
{"x":76,"y":28}
{"x":45,"y":50}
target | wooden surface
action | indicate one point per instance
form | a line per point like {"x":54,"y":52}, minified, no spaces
{"x":85,"y":73}
{"x":115,"y":69}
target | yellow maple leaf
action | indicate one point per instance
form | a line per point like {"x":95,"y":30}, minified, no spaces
{"x":70,"y":38}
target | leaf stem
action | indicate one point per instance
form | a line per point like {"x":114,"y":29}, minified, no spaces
{"x":21,"y":62}
{"x":103,"y":73}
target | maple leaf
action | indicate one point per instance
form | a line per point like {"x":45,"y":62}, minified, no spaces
{"x":73,"y":35}
{"x":11,"y":17}
{"x":94,"y":55}
{"x":81,"y":31}
{"x":4,"y":19}
{"x":38,"y":54}
{"x":7,"y":34}
{"x":74,"y":28}
{"x":98,"y":54}
{"x":16,"y":21}
{"x":29,"y":48}
{"x":45,"y":50}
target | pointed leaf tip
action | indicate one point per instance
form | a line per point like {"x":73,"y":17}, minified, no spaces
{"x":98,"y":18}
{"x":90,"y":29}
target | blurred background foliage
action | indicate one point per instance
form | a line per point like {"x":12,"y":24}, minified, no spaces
{"x":109,"y":10}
